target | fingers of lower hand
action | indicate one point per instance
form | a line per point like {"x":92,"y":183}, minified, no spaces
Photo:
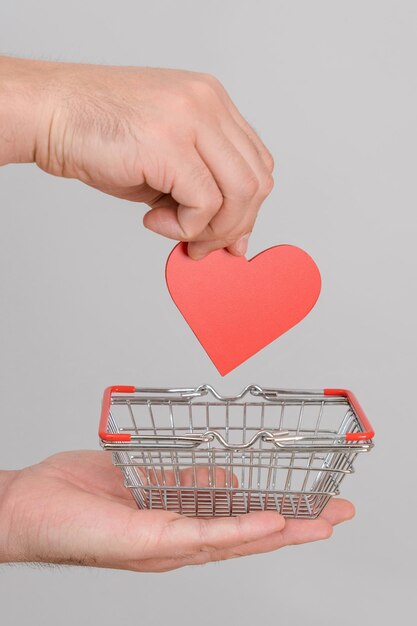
{"x":194,"y":536}
{"x":206,"y":540}
{"x":338,"y":510}
{"x":305,"y":531}
{"x":293,"y":532}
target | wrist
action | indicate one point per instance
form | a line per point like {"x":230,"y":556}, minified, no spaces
{"x":23,"y":105}
{"x":7,"y":552}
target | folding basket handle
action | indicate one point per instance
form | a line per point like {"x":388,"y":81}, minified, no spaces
{"x":105,"y":410}
{"x":353,"y":401}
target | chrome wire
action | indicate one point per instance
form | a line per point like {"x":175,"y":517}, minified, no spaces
{"x":198,"y":453}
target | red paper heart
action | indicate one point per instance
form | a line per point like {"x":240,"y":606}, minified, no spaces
{"x":236,"y":307}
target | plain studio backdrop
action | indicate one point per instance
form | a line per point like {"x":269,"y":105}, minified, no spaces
{"x":331,"y":88}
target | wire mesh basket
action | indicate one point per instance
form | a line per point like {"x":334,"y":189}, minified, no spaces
{"x":198,"y":453}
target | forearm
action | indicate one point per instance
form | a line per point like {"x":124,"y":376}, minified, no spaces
{"x":23,"y":95}
{"x":8,"y":552}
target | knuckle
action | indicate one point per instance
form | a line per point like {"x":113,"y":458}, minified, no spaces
{"x":206,"y":87}
{"x":212,"y":80}
{"x":212,"y":198}
{"x":183,"y":102}
{"x":160,"y":134}
{"x":201,"y":90}
{"x":189,"y":233}
{"x":201,"y":178}
{"x":269,"y":161}
{"x":199,"y":175}
{"x":267,"y":185}
{"x":212,"y":203}
{"x":249,"y":187}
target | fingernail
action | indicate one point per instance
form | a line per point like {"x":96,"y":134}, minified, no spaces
{"x":241,"y":245}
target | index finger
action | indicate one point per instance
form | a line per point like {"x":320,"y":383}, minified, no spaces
{"x":263,"y":151}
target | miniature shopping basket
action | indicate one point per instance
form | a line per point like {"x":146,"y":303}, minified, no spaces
{"x":198,"y":453}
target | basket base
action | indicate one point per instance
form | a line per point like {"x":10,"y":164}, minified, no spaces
{"x":227,"y":503}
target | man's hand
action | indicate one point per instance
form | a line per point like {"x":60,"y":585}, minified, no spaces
{"x":73,"y":508}
{"x":172,"y":139}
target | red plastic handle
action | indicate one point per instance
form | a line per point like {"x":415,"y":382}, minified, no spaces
{"x":369,"y":431}
{"x":105,"y":409}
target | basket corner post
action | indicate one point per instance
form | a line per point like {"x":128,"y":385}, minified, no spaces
{"x":103,"y":433}
{"x":368,"y":431}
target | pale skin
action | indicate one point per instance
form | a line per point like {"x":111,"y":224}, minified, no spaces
{"x":175,"y":141}
{"x":73,"y":508}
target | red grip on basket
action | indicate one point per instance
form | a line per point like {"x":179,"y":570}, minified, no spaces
{"x":369,"y":431}
{"x":105,"y":409}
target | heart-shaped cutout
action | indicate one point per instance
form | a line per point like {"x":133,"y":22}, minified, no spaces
{"x":236,"y":307}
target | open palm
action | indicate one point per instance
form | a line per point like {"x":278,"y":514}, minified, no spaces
{"x":73,"y":508}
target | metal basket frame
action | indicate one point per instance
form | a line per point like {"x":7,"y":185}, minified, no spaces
{"x":234,"y":462}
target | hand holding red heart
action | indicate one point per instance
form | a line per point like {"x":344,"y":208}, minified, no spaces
{"x":172,"y":139}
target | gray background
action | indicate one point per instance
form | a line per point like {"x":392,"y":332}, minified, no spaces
{"x":331,"y":87}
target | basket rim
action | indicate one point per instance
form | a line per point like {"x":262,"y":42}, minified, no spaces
{"x":187,"y":394}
